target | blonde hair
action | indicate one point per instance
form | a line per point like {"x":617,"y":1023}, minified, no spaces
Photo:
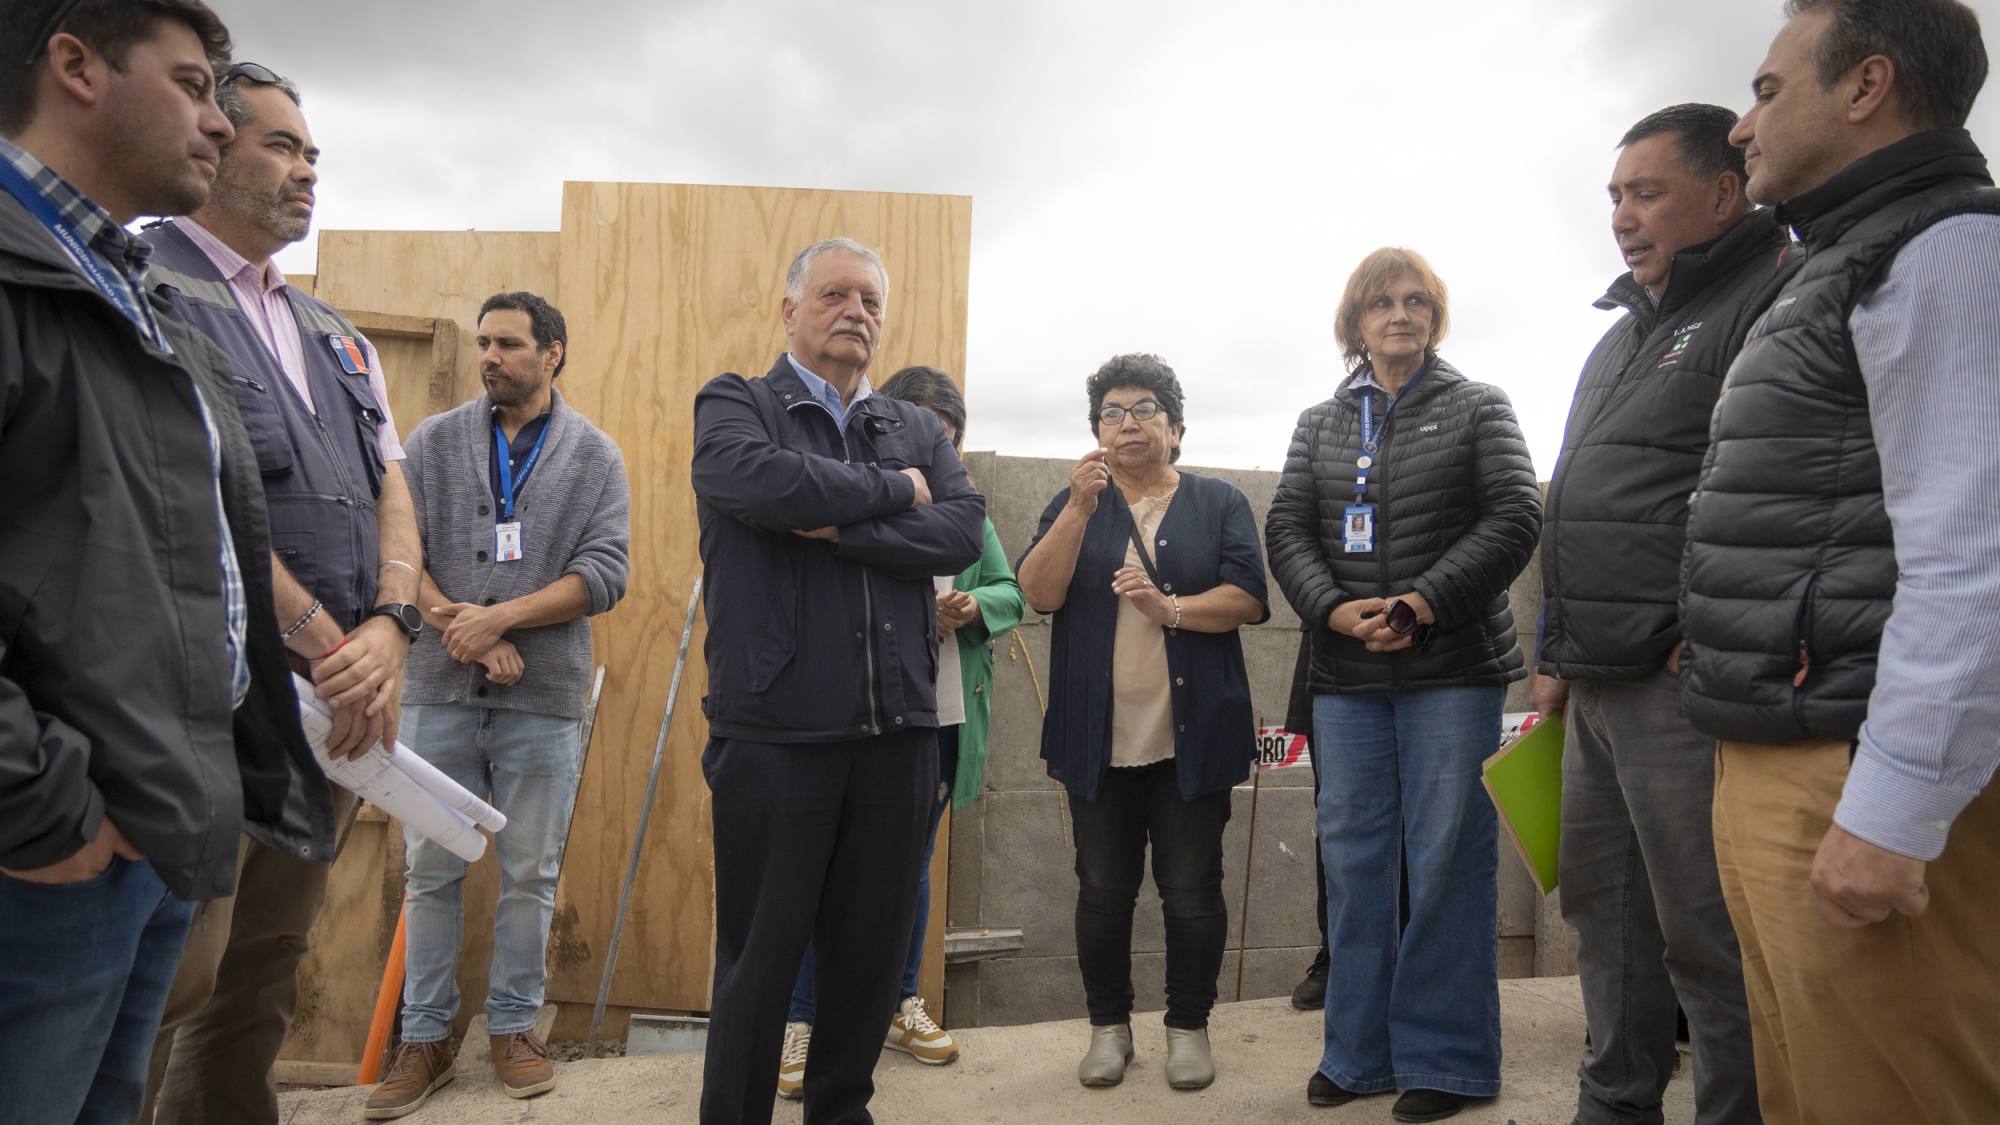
{"x":1371,"y":279}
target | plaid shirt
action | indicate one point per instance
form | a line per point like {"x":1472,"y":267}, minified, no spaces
{"x":127,"y":256}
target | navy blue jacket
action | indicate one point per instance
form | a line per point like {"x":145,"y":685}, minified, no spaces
{"x":808,"y":640}
{"x":1208,"y":537}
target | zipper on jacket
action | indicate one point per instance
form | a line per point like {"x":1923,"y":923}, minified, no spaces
{"x":1802,"y":632}
{"x":1381,"y":456}
{"x":867,"y":610}
{"x":353,"y":530}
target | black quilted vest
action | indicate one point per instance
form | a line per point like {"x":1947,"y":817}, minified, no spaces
{"x":1791,"y":567}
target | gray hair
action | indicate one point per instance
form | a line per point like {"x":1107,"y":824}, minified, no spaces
{"x":229,"y":96}
{"x":795,"y":276}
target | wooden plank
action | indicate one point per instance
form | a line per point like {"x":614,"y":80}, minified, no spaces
{"x":292,"y":1072}
{"x":663,"y":287}
{"x":433,"y":274}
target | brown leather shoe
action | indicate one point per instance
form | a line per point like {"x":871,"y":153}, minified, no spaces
{"x":417,"y":1071}
{"x":522,"y":1062}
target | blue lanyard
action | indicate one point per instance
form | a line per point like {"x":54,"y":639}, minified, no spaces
{"x":116,"y":290}
{"x":508,"y":481}
{"x":1365,"y":460}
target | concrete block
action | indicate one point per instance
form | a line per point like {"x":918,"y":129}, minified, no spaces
{"x":1520,"y":902}
{"x":1272,"y":972}
{"x":968,"y":852}
{"x":1284,"y":902}
{"x":1028,"y":872}
{"x":1555,"y":940}
{"x":1014,"y":740}
{"x":961,"y":995}
{"x":1517,"y":956}
{"x":1032,"y":990}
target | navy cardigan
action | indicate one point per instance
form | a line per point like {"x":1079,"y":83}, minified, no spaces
{"x":1208,"y":537}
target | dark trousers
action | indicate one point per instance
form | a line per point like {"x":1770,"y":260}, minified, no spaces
{"x":1135,"y":806}
{"x":84,"y":969}
{"x":816,"y":845}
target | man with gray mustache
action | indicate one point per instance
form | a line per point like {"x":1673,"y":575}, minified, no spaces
{"x":345,"y":559}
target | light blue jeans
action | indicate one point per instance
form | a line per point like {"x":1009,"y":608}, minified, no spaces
{"x":526,"y":765}
{"x":1419,"y":1008}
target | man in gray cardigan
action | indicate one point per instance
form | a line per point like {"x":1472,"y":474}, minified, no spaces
{"x":523,"y":508}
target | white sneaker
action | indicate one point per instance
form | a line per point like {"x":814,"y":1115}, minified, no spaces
{"x":912,"y":1032}
{"x":792,"y":1063}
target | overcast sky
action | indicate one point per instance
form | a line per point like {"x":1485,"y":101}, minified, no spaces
{"x":1195,"y":180}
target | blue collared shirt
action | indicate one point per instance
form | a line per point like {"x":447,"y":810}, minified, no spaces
{"x":128,"y":257}
{"x":1929,"y":350}
{"x":824,"y":394}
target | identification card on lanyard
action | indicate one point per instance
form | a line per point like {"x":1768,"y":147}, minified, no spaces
{"x":507,"y":530}
{"x":1357,"y":524}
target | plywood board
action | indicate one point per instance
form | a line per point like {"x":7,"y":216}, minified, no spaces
{"x":433,"y":274}
{"x":664,"y":286}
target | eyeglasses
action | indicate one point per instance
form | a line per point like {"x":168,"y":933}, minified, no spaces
{"x":49,"y":29}
{"x":256,"y":72}
{"x":1142,"y":411}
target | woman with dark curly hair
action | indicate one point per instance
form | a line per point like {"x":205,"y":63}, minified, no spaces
{"x":1150,"y":572}
{"x":1407,"y":506}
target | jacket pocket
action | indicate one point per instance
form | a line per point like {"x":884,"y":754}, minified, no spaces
{"x":778,"y":640}
{"x":264,"y":421}
{"x":897,"y":446}
{"x":296,"y":550}
{"x":368,"y":419}
{"x":1802,"y":638}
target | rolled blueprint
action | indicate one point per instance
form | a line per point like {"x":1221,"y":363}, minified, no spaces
{"x":401,"y":784}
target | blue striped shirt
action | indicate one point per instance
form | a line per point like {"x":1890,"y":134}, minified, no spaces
{"x":1929,"y":347}
{"x":128,"y":257}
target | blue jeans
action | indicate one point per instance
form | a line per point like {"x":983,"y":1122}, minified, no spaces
{"x":531,"y":761}
{"x":84,"y":971}
{"x":1419,"y":1009}
{"x":913,"y":961}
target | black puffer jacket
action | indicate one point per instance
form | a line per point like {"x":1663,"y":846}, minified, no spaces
{"x":1457,"y":513}
{"x":1616,"y":515}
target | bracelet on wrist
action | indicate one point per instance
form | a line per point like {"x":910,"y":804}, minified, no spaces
{"x":1176,"y":599}
{"x":330,"y":652}
{"x":311,"y":612}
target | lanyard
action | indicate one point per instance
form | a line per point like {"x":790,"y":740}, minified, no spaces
{"x":505,"y":469}
{"x":1365,"y":460}
{"x":116,"y":290}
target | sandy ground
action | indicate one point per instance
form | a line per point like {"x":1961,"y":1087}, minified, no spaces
{"x":1264,"y":1052}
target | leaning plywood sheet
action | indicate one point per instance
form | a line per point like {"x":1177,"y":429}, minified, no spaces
{"x":665,"y":286}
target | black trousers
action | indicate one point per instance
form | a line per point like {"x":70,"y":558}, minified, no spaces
{"x":1135,"y":806}
{"x":814,"y":844}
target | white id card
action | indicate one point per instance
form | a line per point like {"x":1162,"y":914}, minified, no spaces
{"x":507,"y":541}
{"x":1358,"y":529}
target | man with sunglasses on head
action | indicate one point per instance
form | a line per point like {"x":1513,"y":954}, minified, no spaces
{"x":146,"y":716}
{"x":345,"y":559}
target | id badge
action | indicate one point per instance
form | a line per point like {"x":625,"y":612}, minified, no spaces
{"x":1358,"y":529}
{"x":507,"y":541}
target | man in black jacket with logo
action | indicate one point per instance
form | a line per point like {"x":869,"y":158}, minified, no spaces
{"x":1842,"y":578}
{"x":146,"y":714}
{"x":824,"y":510}
{"x":1638,"y":857}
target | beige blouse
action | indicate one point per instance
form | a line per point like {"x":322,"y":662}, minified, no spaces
{"x":1142,"y":703}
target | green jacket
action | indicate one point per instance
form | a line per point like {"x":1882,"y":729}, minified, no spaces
{"x":991,"y":583}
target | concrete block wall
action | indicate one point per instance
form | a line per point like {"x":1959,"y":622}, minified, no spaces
{"x":1013,"y":865}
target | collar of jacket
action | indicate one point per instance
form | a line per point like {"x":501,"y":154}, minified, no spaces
{"x":1697,"y":267}
{"x":29,"y":255}
{"x":1919,"y":161}
{"x":1436,"y":373}
{"x":792,"y":391}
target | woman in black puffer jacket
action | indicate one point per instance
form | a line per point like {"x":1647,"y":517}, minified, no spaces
{"x":1407,"y":507}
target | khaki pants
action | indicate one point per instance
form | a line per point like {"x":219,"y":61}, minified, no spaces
{"x":1895,"y":1022}
{"x":232,"y":1000}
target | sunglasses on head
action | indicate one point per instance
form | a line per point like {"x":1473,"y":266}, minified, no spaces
{"x":256,"y":72}
{"x":49,"y":29}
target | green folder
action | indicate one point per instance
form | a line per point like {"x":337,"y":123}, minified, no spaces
{"x":1525,"y":780}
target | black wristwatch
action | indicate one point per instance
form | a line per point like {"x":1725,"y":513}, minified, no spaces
{"x":405,"y":615}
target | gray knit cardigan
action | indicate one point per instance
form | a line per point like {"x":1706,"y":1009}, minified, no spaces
{"x":574,"y":511}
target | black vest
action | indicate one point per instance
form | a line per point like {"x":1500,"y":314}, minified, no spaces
{"x":1791,"y":567}
{"x":322,"y":471}
{"x":1613,"y":524}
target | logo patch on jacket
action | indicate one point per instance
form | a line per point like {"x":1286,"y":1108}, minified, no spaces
{"x":347,"y":352}
{"x":1682,"y":338}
